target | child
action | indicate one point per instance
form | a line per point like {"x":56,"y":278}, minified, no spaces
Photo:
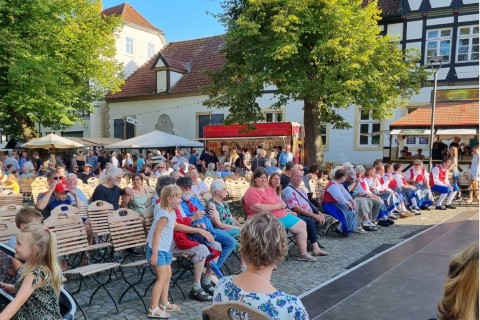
{"x":12,"y":182}
{"x":158,"y":251}
{"x":40,"y":279}
{"x":22,"y":218}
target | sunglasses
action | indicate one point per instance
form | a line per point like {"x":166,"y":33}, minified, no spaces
{"x":57,"y":178}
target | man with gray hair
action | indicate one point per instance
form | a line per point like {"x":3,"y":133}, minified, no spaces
{"x":271,"y":166}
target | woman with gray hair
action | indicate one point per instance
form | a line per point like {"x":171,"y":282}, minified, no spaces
{"x":211,"y":171}
{"x":219,"y":211}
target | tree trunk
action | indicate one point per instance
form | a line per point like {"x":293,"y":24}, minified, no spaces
{"x":27,"y":128}
{"x":313,"y":144}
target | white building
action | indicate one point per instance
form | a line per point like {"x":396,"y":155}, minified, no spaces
{"x":137,"y":41}
{"x":166,"y":92}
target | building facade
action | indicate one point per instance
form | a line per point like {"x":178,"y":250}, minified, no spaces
{"x":165,"y":93}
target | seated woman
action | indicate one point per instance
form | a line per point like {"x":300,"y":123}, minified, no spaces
{"x":261,"y":198}
{"x":395,"y":184}
{"x":137,"y":201}
{"x":389,"y":196}
{"x":219,"y":211}
{"x":199,"y":188}
{"x":339,"y":203}
{"x":263,"y":245}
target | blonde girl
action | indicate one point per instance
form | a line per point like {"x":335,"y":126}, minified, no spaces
{"x":40,"y":278}
{"x":159,"y":241}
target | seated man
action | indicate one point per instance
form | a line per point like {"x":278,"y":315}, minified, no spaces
{"x":439,"y":183}
{"x":419,"y":178}
{"x":297,"y":201}
{"x":192,"y":206}
{"x":55,"y":196}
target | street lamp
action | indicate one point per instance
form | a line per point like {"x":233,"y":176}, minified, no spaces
{"x":435,"y":64}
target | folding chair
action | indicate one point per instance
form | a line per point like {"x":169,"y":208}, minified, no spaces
{"x":223,"y":311}
{"x":10,"y":197}
{"x":8,"y":212}
{"x":36,"y":190}
{"x":127,"y":232}
{"x":8,"y":229}
{"x":98,"y":212}
{"x":26,"y":188}
{"x":208,"y":181}
{"x":72,"y":239}
{"x":92,"y":182}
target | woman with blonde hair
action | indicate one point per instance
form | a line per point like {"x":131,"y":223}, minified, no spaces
{"x":263,"y":245}
{"x":460,"y":299}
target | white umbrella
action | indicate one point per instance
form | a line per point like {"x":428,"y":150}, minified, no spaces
{"x":52,"y":141}
{"x":155,"y":139}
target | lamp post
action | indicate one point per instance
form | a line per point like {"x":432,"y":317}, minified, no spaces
{"x":435,"y":64}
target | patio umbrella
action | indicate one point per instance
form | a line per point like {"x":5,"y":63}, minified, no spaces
{"x":154,"y":139}
{"x":52,"y":141}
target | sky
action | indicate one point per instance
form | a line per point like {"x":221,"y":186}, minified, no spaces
{"x":179,"y":19}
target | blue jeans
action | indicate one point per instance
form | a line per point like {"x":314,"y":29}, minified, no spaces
{"x":228,"y":244}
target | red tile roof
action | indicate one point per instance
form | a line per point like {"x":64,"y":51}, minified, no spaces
{"x":446,"y":115}
{"x":129,"y":14}
{"x":197,"y":55}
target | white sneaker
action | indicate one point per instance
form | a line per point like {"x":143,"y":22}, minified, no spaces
{"x":369,"y":223}
{"x":359,"y":230}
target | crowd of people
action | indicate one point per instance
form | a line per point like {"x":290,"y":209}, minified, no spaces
{"x":280,"y":199}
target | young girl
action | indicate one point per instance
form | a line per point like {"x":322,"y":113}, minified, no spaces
{"x":158,"y":251}
{"x":40,"y":278}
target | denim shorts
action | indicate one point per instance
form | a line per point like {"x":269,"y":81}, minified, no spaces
{"x":164,"y":257}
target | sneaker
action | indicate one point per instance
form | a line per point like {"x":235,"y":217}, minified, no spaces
{"x":395,"y":211}
{"x":383,"y":223}
{"x":406,"y":214}
{"x":440,"y":208}
{"x":390,"y":221}
{"x":307,"y":257}
{"x":449,"y":206}
{"x":369,"y":223}
{"x":359,"y":230}
{"x":392,"y":216}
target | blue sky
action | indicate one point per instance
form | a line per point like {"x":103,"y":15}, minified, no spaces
{"x":179,"y":19}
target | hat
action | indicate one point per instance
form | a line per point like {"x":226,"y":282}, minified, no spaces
{"x":347,"y":164}
{"x":351,"y":173}
{"x":61,"y":188}
{"x":87,"y":165}
{"x":226,"y":164}
{"x":184,"y":181}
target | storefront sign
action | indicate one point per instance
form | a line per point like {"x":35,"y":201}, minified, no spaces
{"x":451,"y":95}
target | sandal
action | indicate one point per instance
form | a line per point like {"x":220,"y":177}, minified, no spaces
{"x":208,"y":288}
{"x":306,"y":257}
{"x":157,"y":313}
{"x":170,"y":307}
{"x":200,"y":295}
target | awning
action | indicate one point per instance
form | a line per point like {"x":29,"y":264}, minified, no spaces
{"x":95,"y":142}
{"x":242,"y":138}
{"x":411,"y":132}
{"x":452,"y":133}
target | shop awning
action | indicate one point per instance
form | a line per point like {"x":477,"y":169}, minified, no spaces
{"x":452,"y":133}
{"x":411,"y":132}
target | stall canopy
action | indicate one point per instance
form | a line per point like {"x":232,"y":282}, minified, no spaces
{"x":95,"y":142}
{"x":52,"y":141}
{"x":154,"y":139}
{"x":446,"y":134}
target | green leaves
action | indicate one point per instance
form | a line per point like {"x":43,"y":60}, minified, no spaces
{"x":326,"y":52}
{"x":50,"y":53}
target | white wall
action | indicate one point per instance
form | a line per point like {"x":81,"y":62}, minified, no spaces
{"x":142,"y":37}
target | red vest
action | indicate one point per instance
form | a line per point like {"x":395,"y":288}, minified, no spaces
{"x":364,"y":185}
{"x":392,"y":184}
{"x":420,"y":176}
{"x":442,"y":173}
{"x":327,"y":197}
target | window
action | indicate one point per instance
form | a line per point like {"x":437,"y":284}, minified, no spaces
{"x":151,"y":50}
{"x":323,"y":134}
{"x":274,"y":116}
{"x":72,"y":134}
{"x":368,"y":125}
{"x":439,"y":44}
{"x":467,"y":48}
{"x":130,"y":47}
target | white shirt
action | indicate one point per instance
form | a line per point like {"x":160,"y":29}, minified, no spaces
{"x":436,"y":178}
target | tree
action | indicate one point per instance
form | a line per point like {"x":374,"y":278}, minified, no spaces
{"x":56,"y":58}
{"x":327,"y":53}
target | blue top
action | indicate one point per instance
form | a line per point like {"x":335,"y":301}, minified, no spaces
{"x":197,"y":203}
{"x":140,"y":163}
{"x":93,"y":161}
{"x":192,"y":159}
{"x":276,"y":305}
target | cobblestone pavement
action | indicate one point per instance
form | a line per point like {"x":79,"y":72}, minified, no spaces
{"x":293,"y":276}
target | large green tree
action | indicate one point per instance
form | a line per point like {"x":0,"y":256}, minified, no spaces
{"x":56,"y":58}
{"x":327,"y":53}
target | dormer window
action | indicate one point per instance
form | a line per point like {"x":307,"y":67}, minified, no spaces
{"x":169,"y":73}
